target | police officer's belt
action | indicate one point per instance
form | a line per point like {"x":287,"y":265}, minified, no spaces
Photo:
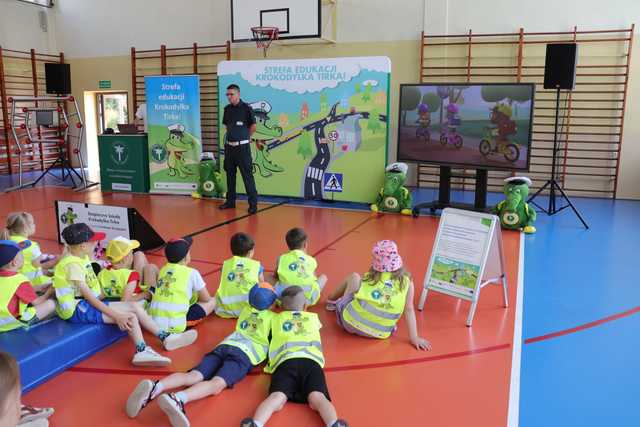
{"x":236,"y":143}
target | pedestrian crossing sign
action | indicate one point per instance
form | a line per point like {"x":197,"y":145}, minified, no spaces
{"x":332,"y":182}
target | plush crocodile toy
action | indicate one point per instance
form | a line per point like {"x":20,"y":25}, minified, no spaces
{"x":393,"y":196}
{"x":514,"y":212}
{"x":210,"y":183}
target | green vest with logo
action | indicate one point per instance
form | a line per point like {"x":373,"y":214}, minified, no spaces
{"x":298,"y":268}
{"x":114,"y":281}
{"x":377,"y":307}
{"x":239,"y":275}
{"x":8,"y":287}
{"x":252,"y":334}
{"x":294,"y":335}
{"x":34,"y":274}
{"x":170,"y":303}
{"x":66,"y":292}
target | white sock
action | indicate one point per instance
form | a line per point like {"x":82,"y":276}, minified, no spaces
{"x":258,"y":423}
{"x":330,"y":424}
{"x":182,"y":396}
{"x":158,"y":390}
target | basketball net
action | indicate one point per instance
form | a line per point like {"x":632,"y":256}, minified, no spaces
{"x":263,"y":36}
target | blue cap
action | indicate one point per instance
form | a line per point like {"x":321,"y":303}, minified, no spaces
{"x":262,"y":296}
{"x":9,"y":249}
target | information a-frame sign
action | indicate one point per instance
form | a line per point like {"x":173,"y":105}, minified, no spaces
{"x":467,"y":256}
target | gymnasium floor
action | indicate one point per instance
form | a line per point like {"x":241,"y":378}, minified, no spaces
{"x":575,"y":311}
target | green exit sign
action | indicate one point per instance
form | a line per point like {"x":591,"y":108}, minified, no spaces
{"x":104,"y":84}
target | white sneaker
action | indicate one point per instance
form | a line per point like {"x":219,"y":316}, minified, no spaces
{"x":174,"y":409}
{"x":140,"y":397}
{"x":176,"y":341}
{"x":149,"y":357}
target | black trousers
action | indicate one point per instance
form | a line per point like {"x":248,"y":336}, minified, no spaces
{"x":239,"y":157}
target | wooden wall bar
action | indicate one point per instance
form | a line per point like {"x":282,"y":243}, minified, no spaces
{"x":22,"y":74}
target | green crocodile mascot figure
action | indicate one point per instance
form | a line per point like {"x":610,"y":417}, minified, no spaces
{"x":514,"y":212}
{"x":394,"y":196}
{"x":210,"y":182}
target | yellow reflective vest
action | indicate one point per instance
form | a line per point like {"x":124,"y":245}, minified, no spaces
{"x":114,"y":281}
{"x":252,"y":334}
{"x":294,"y":335}
{"x":35,"y":274}
{"x":298,"y":268}
{"x":170,"y":303}
{"x":67,"y":294}
{"x":377,"y":307}
{"x":8,"y":287}
{"x":239,"y":275}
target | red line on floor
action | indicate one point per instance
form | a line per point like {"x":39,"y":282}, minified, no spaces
{"x":584,"y":326}
{"x":419,"y":360}
{"x":328,"y":369}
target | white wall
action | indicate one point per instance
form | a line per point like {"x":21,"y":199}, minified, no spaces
{"x":380,"y":20}
{"x":490,"y":16}
{"x":110,"y":28}
{"x":90,"y":28}
{"x":20,"y":27}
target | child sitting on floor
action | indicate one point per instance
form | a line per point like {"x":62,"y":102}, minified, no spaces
{"x":372,"y":306}
{"x":20,"y":227}
{"x":239,"y":274}
{"x":79,"y":299}
{"x":118,"y":280}
{"x":12,"y":412}
{"x":225,"y":366}
{"x":19,"y":304}
{"x":180,"y":298}
{"x":296,"y":362}
{"x":296,"y":267}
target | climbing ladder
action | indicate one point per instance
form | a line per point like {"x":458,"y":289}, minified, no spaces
{"x":33,"y":124}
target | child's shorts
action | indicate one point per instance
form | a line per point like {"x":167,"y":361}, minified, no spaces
{"x":341,"y":305}
{"x":195,"y":315}
{"x":227,"y":362}
{"x":297,"y":378}
{"x":86,"y":313}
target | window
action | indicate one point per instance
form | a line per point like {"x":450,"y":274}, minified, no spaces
{"x":112,"y":110}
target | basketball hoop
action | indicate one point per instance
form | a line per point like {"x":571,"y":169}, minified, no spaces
{"x":263,"y":36}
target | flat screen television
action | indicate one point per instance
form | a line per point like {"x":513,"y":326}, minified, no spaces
{"x":478,"y":126}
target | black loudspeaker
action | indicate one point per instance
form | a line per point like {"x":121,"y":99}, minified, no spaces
{"x":560,"y":66}
{"x":58,"y":78}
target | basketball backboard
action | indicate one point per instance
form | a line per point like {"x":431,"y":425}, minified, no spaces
{"x":295,"y":19}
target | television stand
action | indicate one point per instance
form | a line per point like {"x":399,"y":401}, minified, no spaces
{"x":444,"y":192}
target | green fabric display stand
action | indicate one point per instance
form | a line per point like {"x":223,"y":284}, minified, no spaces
{"x":124,"y":162}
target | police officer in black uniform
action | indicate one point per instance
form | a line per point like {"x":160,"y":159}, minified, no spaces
{"x":241,"y":124}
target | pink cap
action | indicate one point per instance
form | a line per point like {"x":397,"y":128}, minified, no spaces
{"x":386,"y":257}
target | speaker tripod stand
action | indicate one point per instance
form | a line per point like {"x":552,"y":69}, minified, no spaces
{"x":552,"y":183}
